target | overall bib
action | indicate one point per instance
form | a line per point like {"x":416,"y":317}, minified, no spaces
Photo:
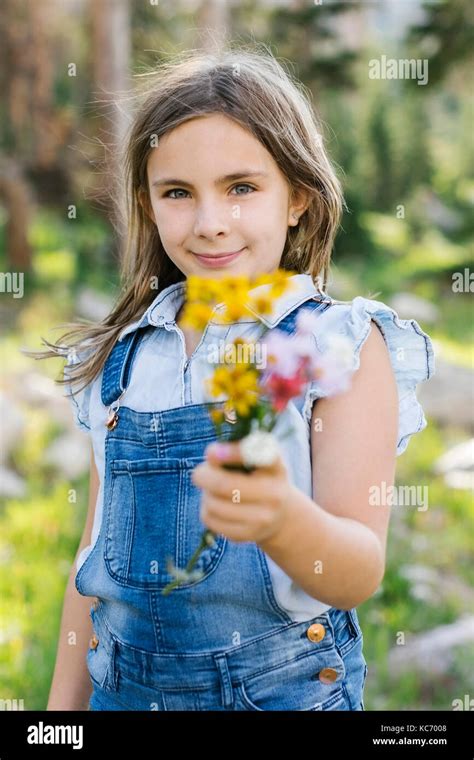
{"x":218,"y":643}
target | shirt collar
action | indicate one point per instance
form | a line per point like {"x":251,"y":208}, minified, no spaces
{"x":167,"y":304}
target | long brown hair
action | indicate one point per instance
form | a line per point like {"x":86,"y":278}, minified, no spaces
{"x":246,"y":84}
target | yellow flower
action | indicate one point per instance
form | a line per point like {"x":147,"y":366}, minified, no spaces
{"x":239,"y":383}
{"x":262,"y":279}
{"x":196,"y":315}
{"x":234,"y":287}
{"x":263,"y":303}
{"x":234,"y":293}
{"x":234,"y":310}
{"x":217,"y":416}
{"x":202,"y":289}
{"x":280,"y":282}
{"x":220,"y":382}
{"x":244,"y":403}
{"x":241,"y":355}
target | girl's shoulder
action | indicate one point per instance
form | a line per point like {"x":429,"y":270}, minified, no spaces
{"x":410,"y":349}
{"x":353,"y":319}
{"x":78,"y":395}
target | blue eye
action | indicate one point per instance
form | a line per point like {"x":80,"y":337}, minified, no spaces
{"x":174,"y":190}
{"x":244,"y":185}
{"x":180,"y":190}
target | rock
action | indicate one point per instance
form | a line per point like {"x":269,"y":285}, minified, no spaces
{"x":35,"y":389}
{"x":457,"y":465}
{"x":410,"y":306}
{"x":38,"y":391}
{"x":457,"y":457}
{"x":431,"y":652}
{"x":11,"y":485}
{"x":448,"y":395}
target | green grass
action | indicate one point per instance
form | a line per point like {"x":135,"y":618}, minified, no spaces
{"x":438,"y":539}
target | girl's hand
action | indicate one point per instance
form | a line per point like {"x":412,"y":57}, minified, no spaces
{"x":242,"y":506}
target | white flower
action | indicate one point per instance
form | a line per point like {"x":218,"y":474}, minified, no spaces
{"x":340,"y":350}
{"x":259,"y":449}
{"x":307,"y":322}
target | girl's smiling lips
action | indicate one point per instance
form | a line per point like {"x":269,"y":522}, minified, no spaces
{"x":218,"y":259}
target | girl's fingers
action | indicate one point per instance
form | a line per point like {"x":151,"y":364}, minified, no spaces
{"x":257,"y":487}
{"x":218,"y":453}
{"x":234,"y":513}
{"x":229,"y":452}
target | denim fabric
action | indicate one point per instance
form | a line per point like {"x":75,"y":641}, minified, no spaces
{"x":238,"y":638}
{"x":277,"y":670}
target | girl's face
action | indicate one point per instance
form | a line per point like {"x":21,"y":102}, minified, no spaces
{"x":215,"y":190}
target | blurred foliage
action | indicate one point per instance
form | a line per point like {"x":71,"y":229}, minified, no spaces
{"x":439,"y":540}
{"x":445,"y":35}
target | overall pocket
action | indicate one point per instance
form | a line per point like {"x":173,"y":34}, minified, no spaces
{"x":311,"y":682}
{"x":152,"y":515}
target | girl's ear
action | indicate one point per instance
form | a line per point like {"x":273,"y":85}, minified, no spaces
{"x":144,"y":202}
{"x":299,"y":203}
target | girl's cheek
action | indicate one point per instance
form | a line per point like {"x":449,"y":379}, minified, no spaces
{"x":169,"y":217}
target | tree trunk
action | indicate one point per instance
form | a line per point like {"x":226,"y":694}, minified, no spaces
{"x":214,"y":23}
{"x":15,"y":196}
{"x":111,"y":48}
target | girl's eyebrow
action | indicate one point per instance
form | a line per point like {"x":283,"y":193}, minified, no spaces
{"x":219,"y":180}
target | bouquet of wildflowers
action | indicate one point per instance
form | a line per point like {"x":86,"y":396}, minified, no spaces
{"x":254,"y":396}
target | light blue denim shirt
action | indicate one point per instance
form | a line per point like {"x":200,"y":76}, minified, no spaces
{"x":164,"y":378}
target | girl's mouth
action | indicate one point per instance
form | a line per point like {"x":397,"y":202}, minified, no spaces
{"x":218,"y":260}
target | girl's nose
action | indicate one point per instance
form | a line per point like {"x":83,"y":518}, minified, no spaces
{"x":212,"y":221}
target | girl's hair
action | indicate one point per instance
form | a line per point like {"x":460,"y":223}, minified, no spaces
{"x":256,"y":91}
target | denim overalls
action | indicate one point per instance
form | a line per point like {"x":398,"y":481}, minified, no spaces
{"x":221,"y":642}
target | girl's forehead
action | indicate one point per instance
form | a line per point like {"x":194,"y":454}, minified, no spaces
{"x":231,"y":148}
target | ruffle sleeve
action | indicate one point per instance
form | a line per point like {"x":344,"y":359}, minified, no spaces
{"x":80,"y":400}
{"x":410,"y":349}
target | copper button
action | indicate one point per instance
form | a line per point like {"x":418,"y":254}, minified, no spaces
{"x":93,"y":643}
{"x":112,"y":421}
{"x":95,"y":604}
{"x":316,"y":632}
{"x":327,"y":675}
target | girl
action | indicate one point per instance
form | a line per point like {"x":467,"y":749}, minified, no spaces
{"x":227,"y":174}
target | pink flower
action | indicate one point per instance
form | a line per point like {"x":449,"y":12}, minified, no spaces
{"x":293,"y":361}
{"x":281,"y":359}
{"x":333,"y":368}
{"x":285,"y":352}
{"x":281,"y":389}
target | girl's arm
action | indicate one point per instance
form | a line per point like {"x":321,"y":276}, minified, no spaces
{"x":334,"y":547}
{"x":71,"y":686}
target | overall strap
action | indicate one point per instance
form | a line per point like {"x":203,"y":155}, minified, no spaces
{"x":315,"y":303}
{"x":116,"y":374}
